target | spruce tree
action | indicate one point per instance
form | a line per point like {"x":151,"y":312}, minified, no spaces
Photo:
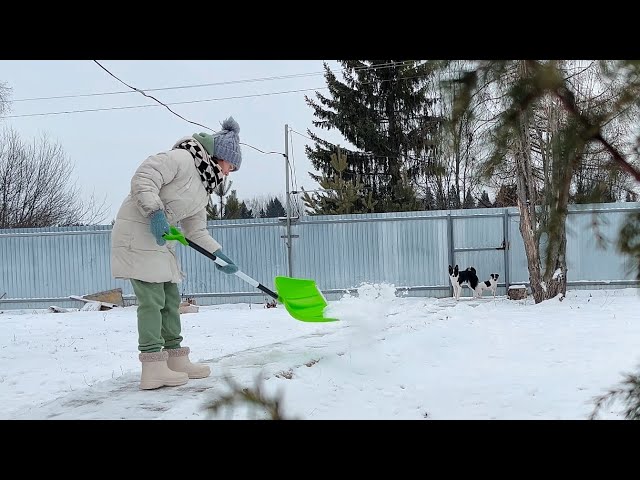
{"x":275,"y":209}
{"x":484,"y":201}
{"x":383,"y":109}
{"x":469,"y":201}
{"x":428,"y":201}
{"x":232,"y":208}
{"x":340,"y":196}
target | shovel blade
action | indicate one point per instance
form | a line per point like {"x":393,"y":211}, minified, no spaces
{"x":302,"y":299}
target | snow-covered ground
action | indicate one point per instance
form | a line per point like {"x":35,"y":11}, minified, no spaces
{"x":389,"y":357}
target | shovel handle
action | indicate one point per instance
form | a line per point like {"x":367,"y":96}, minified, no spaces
{"x":239,"y":273}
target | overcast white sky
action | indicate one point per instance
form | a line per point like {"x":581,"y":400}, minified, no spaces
{"x":107,"y":146}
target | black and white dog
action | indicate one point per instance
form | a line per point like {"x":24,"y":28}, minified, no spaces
{"x":461,"y":277}
{"x":491,"y":284}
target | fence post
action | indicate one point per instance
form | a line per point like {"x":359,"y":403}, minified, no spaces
{"x":505,"y":224}
{"x":451,"y":247}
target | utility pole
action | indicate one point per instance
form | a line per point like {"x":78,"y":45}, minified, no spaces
{"x":286,"y":167}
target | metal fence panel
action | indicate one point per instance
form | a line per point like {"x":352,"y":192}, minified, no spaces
{"x":43,"y":266}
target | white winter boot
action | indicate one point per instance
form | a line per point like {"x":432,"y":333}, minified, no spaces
{"x":179,"y":361}
{"x":156,"y":374}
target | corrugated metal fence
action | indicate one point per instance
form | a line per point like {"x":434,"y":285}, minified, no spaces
{"x":411,"y":250}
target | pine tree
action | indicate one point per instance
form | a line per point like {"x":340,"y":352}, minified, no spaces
{"x":235,"y":208}
{"x":221,"y":191}
{"x":383,"y":109}
{"x":245,"y":212}
{"x":484,"y":201}
{"x":275,"y":209}
{"x":442,"y":200}
{"x":469,"y":201}
{"x":454,"y":197}
{"x":428,"y":201}
{"x":232,"y":208}
{"x":340,"y":196}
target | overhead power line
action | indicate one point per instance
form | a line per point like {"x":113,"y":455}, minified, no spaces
{"x":176,"y":114}
{"x":166,"y":105}
{"x":128,"y":107}
{"x":170,"y":103}
{"x":176,"y":87}
{"x":152,"y":97}
{"x":199,"y":85}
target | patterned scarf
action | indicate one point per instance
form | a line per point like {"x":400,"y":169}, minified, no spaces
{"x":210,"y":172}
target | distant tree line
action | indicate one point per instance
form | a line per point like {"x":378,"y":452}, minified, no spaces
{"x":423,"y":137}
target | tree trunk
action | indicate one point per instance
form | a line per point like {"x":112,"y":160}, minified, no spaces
{"x":556,"y":278}
{"x":547,"y":282}
{"x":556,"y":195}
{"x":528,"y":228}
{"x":526,"y":203}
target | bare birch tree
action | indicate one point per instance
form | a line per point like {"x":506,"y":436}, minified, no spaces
{"x":5,"y":91}
{"x":36,"y":187}
{"x":572,"y":137}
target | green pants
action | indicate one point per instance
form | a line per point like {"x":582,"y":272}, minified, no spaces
{"x":158,"y":315}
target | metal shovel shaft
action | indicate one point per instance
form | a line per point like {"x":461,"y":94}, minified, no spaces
{"x":239,"y":273}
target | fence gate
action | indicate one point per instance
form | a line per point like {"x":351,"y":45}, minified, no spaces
{"x":481,"y":241}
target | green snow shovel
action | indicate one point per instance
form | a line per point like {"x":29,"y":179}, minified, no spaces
{"x":300,"y":297}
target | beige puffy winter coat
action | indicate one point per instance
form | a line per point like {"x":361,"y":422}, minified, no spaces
{"x":166,"y":181}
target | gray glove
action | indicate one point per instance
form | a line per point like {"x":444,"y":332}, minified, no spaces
{"x":228,"y":269}
{"x":159,"y":226}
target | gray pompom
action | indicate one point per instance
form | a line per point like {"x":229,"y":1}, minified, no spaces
{"x":231,"y":125}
